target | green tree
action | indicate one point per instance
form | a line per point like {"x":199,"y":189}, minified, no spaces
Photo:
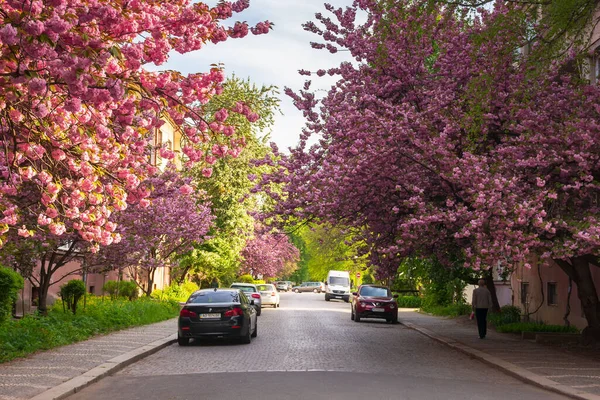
{"x":230,"y":186}
{"x":70,"y":294}
{"x":325,"y":248}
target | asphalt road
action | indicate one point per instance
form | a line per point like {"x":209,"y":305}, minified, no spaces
{"x":309,"y":348}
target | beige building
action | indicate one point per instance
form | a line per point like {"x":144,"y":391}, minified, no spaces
{"x":545,"y":294}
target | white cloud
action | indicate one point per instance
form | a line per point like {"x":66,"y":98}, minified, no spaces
{"x":272,"y":59}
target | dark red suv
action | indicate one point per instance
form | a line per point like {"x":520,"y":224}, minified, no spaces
{"x":374,"y":301}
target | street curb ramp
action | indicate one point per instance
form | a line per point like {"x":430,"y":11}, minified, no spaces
{"x":111,"y":366}
{"x":509,"y":368}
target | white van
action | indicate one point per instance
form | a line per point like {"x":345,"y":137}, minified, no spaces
{"x":337,"y":285}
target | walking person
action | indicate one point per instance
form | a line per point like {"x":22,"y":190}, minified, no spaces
{"x":482,"y":302}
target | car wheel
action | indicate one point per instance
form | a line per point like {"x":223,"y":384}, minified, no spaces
{"x":395,"y":320}
{"x":183,"y":341}
{"x":356,"y":318}
{"x":326,"y":297}
{"x":352,"y":315}
{"x":296,"y":291}
{"x":247,"y":338}
{"x":258,"y":311}
{"x":315,"y":291}
{"x":347,"y":300}
{"x":278,"y":305}
{"x":255,"y":333}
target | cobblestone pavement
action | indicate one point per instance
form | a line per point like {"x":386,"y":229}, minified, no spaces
{"x":24,"y":378}
{"x":553,"y":363}
{"x":308,"y":335}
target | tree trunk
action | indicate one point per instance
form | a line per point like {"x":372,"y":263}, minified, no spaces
{"x":181,"y":279}
{"x":43,"y":295}
{"x":489,"y":283}
{"x":578,"y":269}
{"x":45,"y":275}
{"x":150,"y":286}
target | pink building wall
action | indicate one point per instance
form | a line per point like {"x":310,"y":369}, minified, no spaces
{"x":72,"y":270}
{"x":549,"y":313}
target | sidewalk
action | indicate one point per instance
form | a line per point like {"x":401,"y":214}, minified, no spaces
{"x":57,"y":373}
{"x":551,"y":368}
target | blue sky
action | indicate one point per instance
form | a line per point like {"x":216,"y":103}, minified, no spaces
{"x":272,"y":59}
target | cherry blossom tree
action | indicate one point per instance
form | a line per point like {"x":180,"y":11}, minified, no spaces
{"x":153,"y":234}
{"x":268,"y":254}
{"x":442,"y":135}
{"x":79,"y":108}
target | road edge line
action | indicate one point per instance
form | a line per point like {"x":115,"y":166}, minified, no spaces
{"x":508,"y":368}
{"x":109,"y":367}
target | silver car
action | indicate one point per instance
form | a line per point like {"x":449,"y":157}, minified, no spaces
{"x":251,"y":291}
{"x":269,"y":295}
{"x":284,"y":286}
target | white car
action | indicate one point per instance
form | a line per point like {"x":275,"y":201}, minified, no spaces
{"x":268,"y":294}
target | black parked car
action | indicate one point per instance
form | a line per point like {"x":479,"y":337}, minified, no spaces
{"x":217,"y":313}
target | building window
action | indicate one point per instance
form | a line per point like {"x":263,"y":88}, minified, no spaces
{"x":92,"y":289}
{"x":594,"y":68}
{"x":524,"y":292}
{"x":552,"y":294}
{"x":156,"y":143}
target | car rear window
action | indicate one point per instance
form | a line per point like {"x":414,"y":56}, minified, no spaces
{"x":265,"y":288}
{"x":245,"y":289}
{"x":214,"y":297}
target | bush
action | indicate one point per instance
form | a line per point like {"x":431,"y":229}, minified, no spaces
{"x":32,"y":333}
{"x":10,"y":284}
{"x":245,"y":279}
{"x":518,"y":327}
{"x":409,"y":301}
{"x":507,"y":315}
{"x":452,"y":310}
{"x":70,"y":293}
{"x":176,"y":292}
{"x":128,"y":289}
{"x":259,"y":281}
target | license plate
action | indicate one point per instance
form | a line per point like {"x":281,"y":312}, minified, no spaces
{"x":378,"y":309}
{"x":211,"y":315}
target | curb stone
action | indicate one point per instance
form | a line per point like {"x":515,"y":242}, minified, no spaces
{"x":506,"y":367}
{"x":109,"y":367}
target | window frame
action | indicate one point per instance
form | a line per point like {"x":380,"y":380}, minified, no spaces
{"x":552,"y":299}
{"x":524,"y":293}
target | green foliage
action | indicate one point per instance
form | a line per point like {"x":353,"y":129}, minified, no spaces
{"x":441,"y":286}
{"x":409,"y":301}
{"x":70,"y":293}
{"x":229,"y":187}
{"x":507,"y":315}
{"x":10,"y":284}
{"x":452,"y":310}
{"x":518,"y":327}
{"x":259,"y":281}
{"x":127,"y":289}
{"x":32,"y":333}
{"x":245,"y":279}
{"x":176,"y":292}
{"x":325,"y":248}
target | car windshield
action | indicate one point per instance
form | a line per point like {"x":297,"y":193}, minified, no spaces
{"x":339,"y":280}
{"x":374,"y":291}
{"x":245,"y":289}
{"x":214,"y":297}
